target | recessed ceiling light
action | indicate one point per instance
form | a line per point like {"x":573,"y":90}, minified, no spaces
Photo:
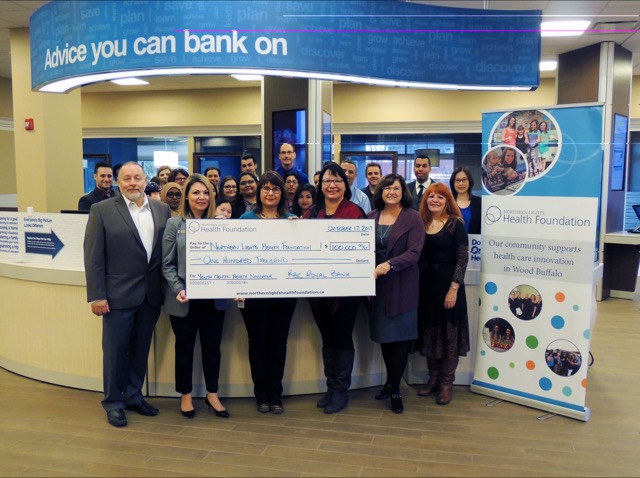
{"x":548,"y":65}
{"x":129,"y":82}
{"x":569,"y":28}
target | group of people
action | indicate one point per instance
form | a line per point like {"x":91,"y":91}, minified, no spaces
{"x":134,"y":243}
{"x":533,"y":142}
{"x":562,"y":362}
{"x":501,"y":340}
{"x":525,"y":307}
{"x":501,"y":170}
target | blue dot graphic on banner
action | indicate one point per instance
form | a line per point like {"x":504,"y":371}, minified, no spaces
{"x":557,"y":322}
{"x":545,"y":384}
{"x":491,"y":288}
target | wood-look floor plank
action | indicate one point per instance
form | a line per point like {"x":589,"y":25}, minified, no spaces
{"x":254,"y":435}
{"x":47,"y":430}
{"x":290,"y":463}
{"x":216,"y":468}
{"x":396,"y":465}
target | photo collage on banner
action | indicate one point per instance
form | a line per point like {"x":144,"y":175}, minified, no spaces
{"x":541,"y":176}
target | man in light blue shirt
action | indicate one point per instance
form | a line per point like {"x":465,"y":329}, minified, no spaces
{"x":357,"y":196}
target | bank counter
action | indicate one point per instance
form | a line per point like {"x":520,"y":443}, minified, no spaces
{"x":49,"y":333}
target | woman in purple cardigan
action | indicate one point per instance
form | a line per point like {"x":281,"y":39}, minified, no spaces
{"x":399,"y":240}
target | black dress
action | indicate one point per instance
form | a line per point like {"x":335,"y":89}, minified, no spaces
{"x":444,"y":333}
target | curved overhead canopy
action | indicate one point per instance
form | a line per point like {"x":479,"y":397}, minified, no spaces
{"x":75,"y":43}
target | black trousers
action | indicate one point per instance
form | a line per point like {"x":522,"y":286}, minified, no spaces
{"x":126,"y":339}
{"x":336,"y":318}
{"x":203,"y":317}
{"x":267,"y":322}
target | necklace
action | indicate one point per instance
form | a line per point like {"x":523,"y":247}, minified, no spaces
{"x":262,"y":216}
{"x":436,"y":224}
{"x":384,"y":234}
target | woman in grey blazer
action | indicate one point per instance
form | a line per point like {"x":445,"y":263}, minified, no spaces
{"x":188,"y":317}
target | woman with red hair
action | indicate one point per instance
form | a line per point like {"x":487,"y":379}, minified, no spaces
{"x":442,"y":309}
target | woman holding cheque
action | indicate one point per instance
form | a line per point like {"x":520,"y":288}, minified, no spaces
{"x":335,"y":316}
{"x":268,"y":320}
{"x":188,"y":317}
{"x":394,"y":318}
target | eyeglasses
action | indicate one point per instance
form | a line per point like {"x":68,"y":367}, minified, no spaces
{"x":337,"y":182}
{"x":392,"y":189}
{"x":461,"y":180}
{"x":267,"y":190}
{"x":229,"y":186}
{"x":287,"y":152}
{"x":247,"y":183}
{"x":291,"y":181}
{"x":174,"y":195}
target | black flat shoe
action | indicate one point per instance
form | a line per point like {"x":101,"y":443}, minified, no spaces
{"x":143,"y":408}
{"x":117,"y":418}
{"x":219,"y":413}
{"x":384,"y":393}
{"x":396,"y":403}
{"x":189,"y":413}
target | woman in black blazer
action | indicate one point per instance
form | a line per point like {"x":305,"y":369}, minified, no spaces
{"x":461,"y":184}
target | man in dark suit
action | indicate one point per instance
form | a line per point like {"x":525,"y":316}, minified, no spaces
{"x":421,"y":169}
{"x":122,"y":261}
{"x":103,"y":176}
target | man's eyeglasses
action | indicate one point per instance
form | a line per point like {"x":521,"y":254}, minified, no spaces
{"x":287,"y":152}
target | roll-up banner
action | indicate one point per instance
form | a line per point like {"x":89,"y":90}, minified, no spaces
{"x":541,"y":175}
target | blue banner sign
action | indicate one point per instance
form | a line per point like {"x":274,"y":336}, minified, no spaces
{"x":364,"y":41}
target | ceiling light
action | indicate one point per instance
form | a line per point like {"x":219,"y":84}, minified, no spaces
{"x":247,"y":77}
{"x":548,"y":65}
{"x":569,"y":28}
{"x":130,"y":82}
{"x":67,"y":84}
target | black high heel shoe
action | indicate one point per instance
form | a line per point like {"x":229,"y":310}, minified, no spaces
{"x":188,"y":413}
{"x":384,"y":393}
{"x":219,"y":413}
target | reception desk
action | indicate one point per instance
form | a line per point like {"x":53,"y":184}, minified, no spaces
{"x":50,"y":334}
{"x":621,"y":259}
